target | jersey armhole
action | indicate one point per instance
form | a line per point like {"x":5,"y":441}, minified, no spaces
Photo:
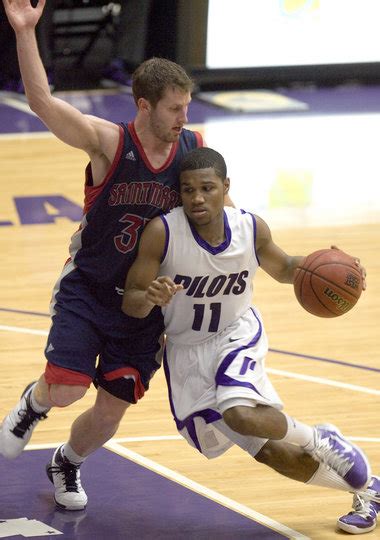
{"x":254,"y":234}
{"x":167,"y":236}
{"x":91,"y":192}
{"x":199,"y":139}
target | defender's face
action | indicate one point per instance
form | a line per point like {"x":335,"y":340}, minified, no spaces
{"x":169,"y":116}
{"x":202,"y":193}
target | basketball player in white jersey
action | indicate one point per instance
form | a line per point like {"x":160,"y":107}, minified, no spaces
{"x":198,"y":263}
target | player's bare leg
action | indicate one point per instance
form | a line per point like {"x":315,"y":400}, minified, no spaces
{"x":324,"y":443}
{"x":36,"y":400}
{"x":89,"y":432}
{"x":98,"y":424}
{"x":294,"y":463}
{"x":288,"y":459}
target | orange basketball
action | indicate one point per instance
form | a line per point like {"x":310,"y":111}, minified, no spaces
{"x":328,"y":284}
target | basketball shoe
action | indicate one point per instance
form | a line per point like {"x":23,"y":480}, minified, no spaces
{"x":346,"y":459}
{"x":366,"y":505}
{"x":17,"y":428}
{"x":65,"y":476}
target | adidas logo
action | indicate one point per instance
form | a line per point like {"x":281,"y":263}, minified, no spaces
{"x":130,"y":156}
{"x":50,"y":348}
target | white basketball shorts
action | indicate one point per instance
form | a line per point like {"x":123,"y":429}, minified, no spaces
{"x":206,"y":379}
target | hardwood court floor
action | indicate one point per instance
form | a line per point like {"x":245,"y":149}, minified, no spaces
{"x":324,"y":369}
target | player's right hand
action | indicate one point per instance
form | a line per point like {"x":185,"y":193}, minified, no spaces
{"x":161,"y":291}
{"x":21,"y":14}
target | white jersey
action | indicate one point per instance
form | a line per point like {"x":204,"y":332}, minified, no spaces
{"x":216,"y":344}
{"x":217,"y":281}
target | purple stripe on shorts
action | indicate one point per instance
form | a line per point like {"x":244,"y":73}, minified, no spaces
{"x":221,"y":378}
{"x":208,"y":415}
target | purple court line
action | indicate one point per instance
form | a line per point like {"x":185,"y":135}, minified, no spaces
{"x":329,"y":360}
{"x":276,"y":351}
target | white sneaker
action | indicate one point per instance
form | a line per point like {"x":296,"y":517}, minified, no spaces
{"x":345,"y":458}
{"x":17,"y":428}
{"x":65,"y":476}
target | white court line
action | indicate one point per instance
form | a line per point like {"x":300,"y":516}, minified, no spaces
{"x":322,"y":380}
{"x":21,"y":330}
{"x":26,"y":135}
{"x":153,"y":438}
{"x":180,"y":438}
{"x":365,"y":439}
{"x":17,"y":104}
{"x":202,"y":490}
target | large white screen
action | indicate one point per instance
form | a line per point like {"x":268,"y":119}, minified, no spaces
{"x":257,"y":33}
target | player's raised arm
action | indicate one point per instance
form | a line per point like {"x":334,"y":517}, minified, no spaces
{"x":66,"y":122}
{"x":143,"y":288}
{"x":272,"y":258}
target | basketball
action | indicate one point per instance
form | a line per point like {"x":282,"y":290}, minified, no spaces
{"x":328,"y":284}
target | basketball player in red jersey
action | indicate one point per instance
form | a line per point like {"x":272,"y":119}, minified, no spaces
{"x":132,"y":177}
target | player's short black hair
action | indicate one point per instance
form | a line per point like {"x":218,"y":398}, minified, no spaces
{"x":204,"y":158}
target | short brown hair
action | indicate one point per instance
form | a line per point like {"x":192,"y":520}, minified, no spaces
{"x":154,"y":76}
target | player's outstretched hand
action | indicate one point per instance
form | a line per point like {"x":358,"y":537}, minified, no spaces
{"x":21,"y":14}
{"x":361,"y":268}
{"x":161,"y":291}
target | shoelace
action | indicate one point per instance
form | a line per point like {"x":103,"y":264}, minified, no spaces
{"x":337,"y":462}
{"x":362,"y":505}
{"x":69,"y":473}
{"x":27,"y":418}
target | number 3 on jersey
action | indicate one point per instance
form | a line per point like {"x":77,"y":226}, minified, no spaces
{"x":127,"y":240}
{"x":199,"y":315}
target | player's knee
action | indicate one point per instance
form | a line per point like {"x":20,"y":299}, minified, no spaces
{"x":63,"y":395}
{"x":240,"y":419}
{"x":268,"y":455}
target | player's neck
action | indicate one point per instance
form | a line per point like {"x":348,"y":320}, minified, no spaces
{"x":156,"y":150}
{"x":213,"y":233}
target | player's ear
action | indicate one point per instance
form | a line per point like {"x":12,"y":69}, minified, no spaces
{"x":144,"y":105}
{"x":226,"y":183}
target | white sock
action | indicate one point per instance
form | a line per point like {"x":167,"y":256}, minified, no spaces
{"x":327,"y":477}
{"x":299,"y":433}
{"x":35,"y":405}
{"x":72,"y":456}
